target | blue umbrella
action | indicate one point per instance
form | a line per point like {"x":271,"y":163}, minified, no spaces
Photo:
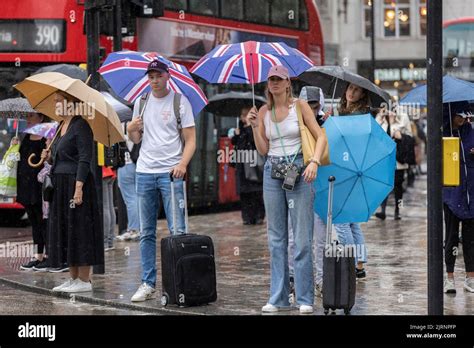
{"x":454,"y":90}
{"x":363,"y":162}
{"x":125,"y":72}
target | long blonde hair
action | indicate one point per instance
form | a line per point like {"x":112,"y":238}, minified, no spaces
{"x":271,"y":100}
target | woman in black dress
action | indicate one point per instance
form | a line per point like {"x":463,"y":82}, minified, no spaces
{"x":29,"y":190}
{"x":74,"y":217}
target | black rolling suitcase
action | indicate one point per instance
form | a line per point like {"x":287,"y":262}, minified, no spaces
{"x":339,"y":274}
{"x":188,"y":270}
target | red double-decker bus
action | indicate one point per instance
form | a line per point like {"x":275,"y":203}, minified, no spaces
{"x":191,"y":28}
{"x":458,"y":47}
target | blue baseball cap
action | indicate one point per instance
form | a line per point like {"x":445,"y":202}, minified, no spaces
{"x":157,"y":65}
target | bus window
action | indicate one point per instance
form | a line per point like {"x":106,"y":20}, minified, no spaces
{"x":204,"y":7}
{"x":303,"y":16}
{"x":176,"y":5}
{"x":285,"y":13}
{"x":257,"y":11}
{"x":232,"y":9}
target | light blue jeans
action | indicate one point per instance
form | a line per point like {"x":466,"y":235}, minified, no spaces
{"x":299,"y":204}
{"x":351,"y":234}
{"x":318,"y":248}
{"x":151,"y":189}
{"x":126,"y":183}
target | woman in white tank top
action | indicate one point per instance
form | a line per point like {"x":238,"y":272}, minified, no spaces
{"x":277,"y":135}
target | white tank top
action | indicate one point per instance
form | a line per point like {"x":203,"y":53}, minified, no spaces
{"x":289,"y":131}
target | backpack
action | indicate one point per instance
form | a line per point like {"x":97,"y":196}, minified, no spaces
{"x":141,"y":108}
{"x":406,"y":150}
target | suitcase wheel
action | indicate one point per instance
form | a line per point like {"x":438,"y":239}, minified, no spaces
{"x":326,"y":311}
{"x":347,"y":311}
{"x":164,"y":299}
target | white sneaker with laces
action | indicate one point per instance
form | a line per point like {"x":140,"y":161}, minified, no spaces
{"x":63,"y":285}
{"x":449,"y":286}
{"x":124,"y":237}
{"x":269,"y":308}
{"x":78,"y":286}
{"x":135,"y":236}
{"x":143,"y":293}
{"x":469,"y":284}
{"x":306,"y":309}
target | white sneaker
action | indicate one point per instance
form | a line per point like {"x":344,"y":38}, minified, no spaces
{"x":124,"y":237}
{"x":269,"y":308}
{"x":449,"y":286}
{"x":135,"y":236}
{"x":305,"y":309}
{"x":143,"y":293}
{"x":469,"y":284}
{"x":63,"y":285}
{"x":78,"y":286}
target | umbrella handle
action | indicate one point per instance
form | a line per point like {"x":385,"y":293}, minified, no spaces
{"x":30,"y":159}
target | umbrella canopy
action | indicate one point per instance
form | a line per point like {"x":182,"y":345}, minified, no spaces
{"x":40,"y":89}
{"x":124,"y":112}
{"x":334,"y":80}
{"x":45,"y":130}
{"x":363,"y":162}
{"x":125,"y":72}
{"x":230,"y":103}
{"x":70,"y":70}
{"x":15,"y":107}
{"x":454,"y":90}
{"x":249,"y":62}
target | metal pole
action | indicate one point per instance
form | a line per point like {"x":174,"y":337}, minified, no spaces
{"x":118,"y":25}
{"x":372,"y":41}
{"x":92,"y":31}
{"x":435,"y":123}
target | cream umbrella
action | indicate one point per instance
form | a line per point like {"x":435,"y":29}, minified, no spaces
{"x":90,"y":104}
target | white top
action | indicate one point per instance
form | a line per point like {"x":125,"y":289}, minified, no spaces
{"x":161,"y":148}
{"x":289,"y":131}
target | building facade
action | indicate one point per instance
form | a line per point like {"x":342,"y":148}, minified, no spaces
{"x":400,"y":37}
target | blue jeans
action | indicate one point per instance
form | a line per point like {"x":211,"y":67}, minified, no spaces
{"x":318,"y":248}
{"x":351,"y":234}
{"x":151,"y":189}
{"x":126,"y":183}
{"x":299,"y":204}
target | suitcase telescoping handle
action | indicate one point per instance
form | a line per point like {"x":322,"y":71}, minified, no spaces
{"x":173,"y":205}
{"x":331,"y":180}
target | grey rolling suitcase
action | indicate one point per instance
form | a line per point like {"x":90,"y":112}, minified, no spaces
{"x":339,"y":274}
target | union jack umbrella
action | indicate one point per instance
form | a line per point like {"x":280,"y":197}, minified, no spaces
{"x":125,"y":71}
{"x":249,"y":62}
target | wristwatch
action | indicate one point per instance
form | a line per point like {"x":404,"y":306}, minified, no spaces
{"x":314,"y":160}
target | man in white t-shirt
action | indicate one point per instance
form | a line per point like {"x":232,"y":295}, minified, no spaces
{"x":161,"y":154}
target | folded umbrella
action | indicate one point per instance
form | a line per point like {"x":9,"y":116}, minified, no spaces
{"x":363,"y":163}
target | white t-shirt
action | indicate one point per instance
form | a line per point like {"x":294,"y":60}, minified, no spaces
{"x":161,"y":148}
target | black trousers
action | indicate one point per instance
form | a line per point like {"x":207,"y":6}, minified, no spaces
{"x":397,"y":190}
{"x":452,"y":241}
{"x":38,"y":225}
{"x":253,"y":208}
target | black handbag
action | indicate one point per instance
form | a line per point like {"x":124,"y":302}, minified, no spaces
{"x":254,"y":173}
{"x":48,"y":189}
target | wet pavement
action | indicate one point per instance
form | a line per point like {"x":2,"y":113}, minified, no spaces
{"x":396,"y":280}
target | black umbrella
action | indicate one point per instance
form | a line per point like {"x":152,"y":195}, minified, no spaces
{"x":123,"y":111}
{"x":334,"y":80}
{"x":230,"y":103}
{"x":70,"y":70}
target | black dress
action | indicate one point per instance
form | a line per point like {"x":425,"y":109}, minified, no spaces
{"x":28,"y":187}
{"x":75,"y":237}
